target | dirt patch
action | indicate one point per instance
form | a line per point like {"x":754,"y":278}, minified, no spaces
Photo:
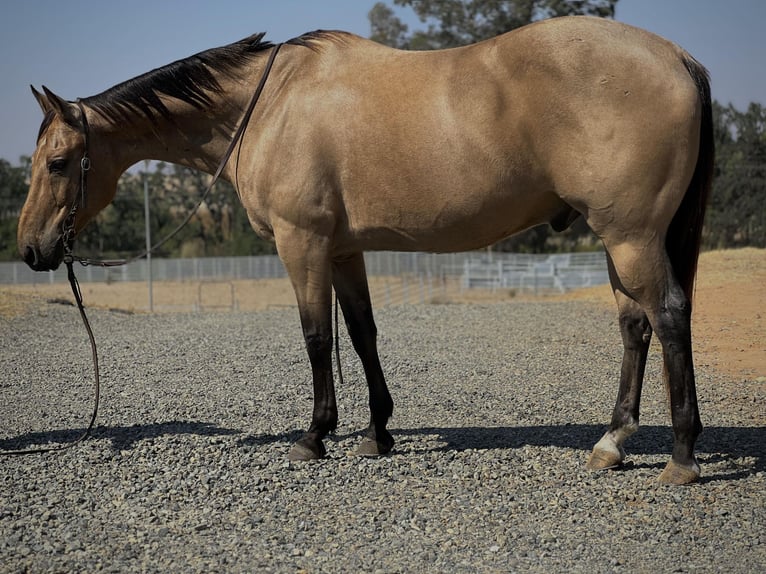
{"x":730,"y":313}
{"x":728,"y":323}
{"x":729,"y":320}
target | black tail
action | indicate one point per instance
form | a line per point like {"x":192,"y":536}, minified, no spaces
{"x":685,"y":233}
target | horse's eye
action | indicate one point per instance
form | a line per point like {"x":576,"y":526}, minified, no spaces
{"x":57,"y":166}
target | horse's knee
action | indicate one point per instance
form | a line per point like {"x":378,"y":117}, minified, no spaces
{"x":318,"y":345}
{"x":678,"y":307}
{"x":635,"y":330}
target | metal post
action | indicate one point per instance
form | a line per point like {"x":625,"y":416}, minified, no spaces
{"x":148,"y":236}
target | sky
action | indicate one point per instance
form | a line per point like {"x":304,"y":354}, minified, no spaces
{"x":79,"y":48}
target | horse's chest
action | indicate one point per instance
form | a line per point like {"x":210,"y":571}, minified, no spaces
{"x":262,"y":228}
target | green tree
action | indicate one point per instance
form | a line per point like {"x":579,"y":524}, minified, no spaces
{"x":386,"y":28}
{"x":219,"y":228}
{"x":737,"y":212}
{"x":13,"y":190}
{"x":453,"y":23}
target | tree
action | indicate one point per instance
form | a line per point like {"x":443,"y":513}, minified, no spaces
{"x":736,"y":215}
{"x":386,"y":28}
{"x":13,"y":189}
{"x":453,"y":23}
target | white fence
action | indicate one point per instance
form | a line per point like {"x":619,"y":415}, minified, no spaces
{"x":227,"y":268}
{"x":527,"y":272}
{"x":196,"y":269}
{"x":417,"y":272}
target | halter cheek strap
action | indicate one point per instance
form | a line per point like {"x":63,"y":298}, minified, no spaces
{"x":85,"y":161}
{"x":68,"y":225}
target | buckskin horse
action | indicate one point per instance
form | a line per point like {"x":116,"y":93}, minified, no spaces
{"x":354,"y":146}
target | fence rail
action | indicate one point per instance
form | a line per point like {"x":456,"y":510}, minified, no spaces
{"x":227,"y":268}
{"x":527,"y":272}
{"x":403,"y":277}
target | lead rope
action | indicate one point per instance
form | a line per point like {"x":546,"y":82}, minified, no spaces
{"x":96,"y":375}
{"x":70,"y":258}
{"x":337,"y":343}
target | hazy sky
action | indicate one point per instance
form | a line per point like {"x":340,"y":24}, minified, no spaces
{"x":81,"y":47}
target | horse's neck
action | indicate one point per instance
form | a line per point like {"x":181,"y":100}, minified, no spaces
{"x":193,"y":138}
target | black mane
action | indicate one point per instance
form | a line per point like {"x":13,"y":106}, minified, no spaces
{"x":314,"y":40}
{"x":191,"y":80}
{"x":47,"y":119}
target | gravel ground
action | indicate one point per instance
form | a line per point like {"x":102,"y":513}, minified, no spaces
{"x":497,"y":408}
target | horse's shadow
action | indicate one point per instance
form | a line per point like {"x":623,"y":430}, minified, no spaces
{"x":121,"y":437}
{"x":716,"y":444}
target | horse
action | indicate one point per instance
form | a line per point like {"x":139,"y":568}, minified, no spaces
{"x":354,"y":146}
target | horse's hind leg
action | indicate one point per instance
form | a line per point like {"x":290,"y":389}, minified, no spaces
{"x":646,"y":275}
{"x":350,"y":281}
{"x":636,"y":336}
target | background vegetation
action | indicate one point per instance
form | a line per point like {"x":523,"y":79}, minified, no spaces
{"x":736,"y":214}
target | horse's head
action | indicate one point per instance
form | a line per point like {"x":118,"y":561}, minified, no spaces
{"x":57,"y":198}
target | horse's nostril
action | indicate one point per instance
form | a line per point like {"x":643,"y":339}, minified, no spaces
{"x":30,"y":256}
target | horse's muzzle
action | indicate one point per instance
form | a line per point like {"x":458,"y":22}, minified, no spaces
{"x":38,"y":261}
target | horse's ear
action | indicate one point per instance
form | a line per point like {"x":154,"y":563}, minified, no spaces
{"x":67,"y":110}
{"x":45,"y":105}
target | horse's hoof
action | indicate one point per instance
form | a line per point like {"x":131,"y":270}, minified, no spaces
{"x":375,"y":447}
{"x":306,"y":449}
{"x":601,"y":459}
{"x":678,"y":475}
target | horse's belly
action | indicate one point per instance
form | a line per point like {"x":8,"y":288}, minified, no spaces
{"x":451,"y":227}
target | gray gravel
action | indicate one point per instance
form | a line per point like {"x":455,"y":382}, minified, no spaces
{"x":497,"y":408}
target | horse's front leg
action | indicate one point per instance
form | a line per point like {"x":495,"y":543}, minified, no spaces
{"x":350,"y":281}
{"x":306,"y":258}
